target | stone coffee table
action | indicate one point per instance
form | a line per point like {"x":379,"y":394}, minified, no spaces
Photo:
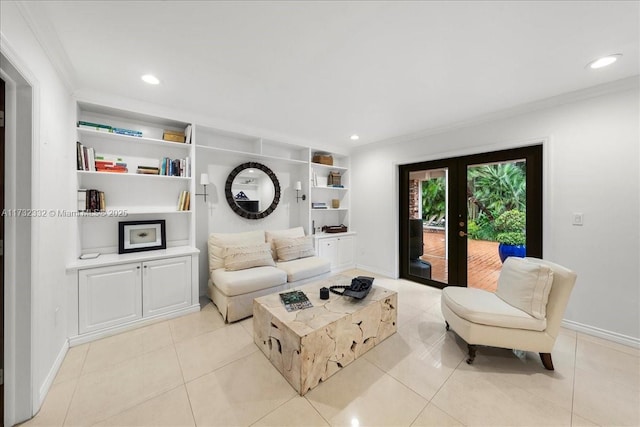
{"x":310,"y":345}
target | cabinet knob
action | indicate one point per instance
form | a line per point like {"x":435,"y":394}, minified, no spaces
{"x":138,"y":267}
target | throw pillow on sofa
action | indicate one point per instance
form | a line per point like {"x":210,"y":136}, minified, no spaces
{"x":273,"y":235}
{"x":294,"y":248}
{"x":218,"y":242}
{"x":247,"y":256}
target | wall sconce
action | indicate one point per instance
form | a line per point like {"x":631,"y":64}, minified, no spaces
{"x":298,"y":190}
{"x":204,"y":181}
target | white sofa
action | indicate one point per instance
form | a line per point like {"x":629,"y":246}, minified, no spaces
{"x":239,"y":270}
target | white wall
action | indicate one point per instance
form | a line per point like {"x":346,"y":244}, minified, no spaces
{"x":217,"y":217}
{"x":52,"y":164}
{"x":592,"y":166}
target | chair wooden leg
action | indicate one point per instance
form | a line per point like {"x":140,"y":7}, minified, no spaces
{"x":546,"y":361}
{"x":472,"y":353}
{"x":447,"y":325}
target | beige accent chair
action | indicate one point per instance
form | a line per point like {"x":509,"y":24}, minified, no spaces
{"x":524,"y":313}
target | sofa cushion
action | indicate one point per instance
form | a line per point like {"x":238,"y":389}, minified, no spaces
{"x":242,"y":257}
{"x":294,"y":248}
{"x":219,"y":241}
{"x":486,"y":308}
{"x":525,"y":285}
{"x":240,"y":282}
{"x":272,"y":235}
{"x":304,"y":268}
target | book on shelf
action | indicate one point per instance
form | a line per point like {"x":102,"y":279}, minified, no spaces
{"x":127,"y":132}
{"x":94,"y":126}
{"x":82,"y":199}
{"x":148,"y":170}
{"x":295,"y":300}
{"x":318,"y":205}
{"x":91,"y":200}
{"x":104,"y":164}
{"x":184,"y":201}
{"x":187,"y":134}
{"x":175,"y":167}
{"x":107,"y":128}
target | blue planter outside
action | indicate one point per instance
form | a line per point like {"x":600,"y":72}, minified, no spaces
{"x":505,"y":251}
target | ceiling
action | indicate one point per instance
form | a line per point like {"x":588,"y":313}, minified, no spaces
{"x":318,"y":72}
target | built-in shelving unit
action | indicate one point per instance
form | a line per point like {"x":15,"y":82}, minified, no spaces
{"x":131,"y":196}
{"x":113,"y":291}
{"x":322,"y":191}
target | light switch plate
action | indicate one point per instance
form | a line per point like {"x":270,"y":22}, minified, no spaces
{"x":578,"y":218}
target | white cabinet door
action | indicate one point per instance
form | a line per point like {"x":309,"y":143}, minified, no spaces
{"x":328,"y":248}
{"x":166,"y":285}
{"x":346,"y":252}
{"x":109,"y":296}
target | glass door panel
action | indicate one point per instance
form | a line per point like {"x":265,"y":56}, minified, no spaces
{"x":428,"y":243}
{"x":496,"y":211}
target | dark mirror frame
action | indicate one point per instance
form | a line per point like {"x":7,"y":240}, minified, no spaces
{"x":229,"y":195}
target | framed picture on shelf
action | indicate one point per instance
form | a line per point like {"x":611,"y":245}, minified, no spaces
{"x":137,"y":236}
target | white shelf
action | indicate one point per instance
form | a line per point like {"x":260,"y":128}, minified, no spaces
{"x":112,"y":259}
{"x":136,"y":139}
{"x":129,"y":174}
{"x":329,"y":188}
{"x":250,"y":155}
{"x":321,"y":166}
{"x":132,"y":211}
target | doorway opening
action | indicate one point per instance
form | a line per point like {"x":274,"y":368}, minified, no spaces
{"x":459,"y":215}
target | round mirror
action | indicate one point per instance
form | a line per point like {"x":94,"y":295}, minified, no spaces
{"x":252,"y":190}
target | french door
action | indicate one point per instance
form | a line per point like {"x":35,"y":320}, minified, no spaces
{"x":454,"y":213}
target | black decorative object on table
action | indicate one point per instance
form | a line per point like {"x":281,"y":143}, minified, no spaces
{"x":324,"y":293}
{"x":359,"y":288}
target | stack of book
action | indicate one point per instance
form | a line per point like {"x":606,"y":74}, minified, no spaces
{"x":148,"y":170}
{"x":175,"y":167}
{"x":85,"y":158}
{"x":91,"y":200}
{"x":318,"y":205}
{"x":184,"y":202}
{"x":102,"y":164}
{"x":109,"y":129}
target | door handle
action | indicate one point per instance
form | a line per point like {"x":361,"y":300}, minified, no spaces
{"x":462,"y":233}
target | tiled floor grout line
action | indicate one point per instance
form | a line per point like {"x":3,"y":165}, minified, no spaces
{"x":77,"y":380}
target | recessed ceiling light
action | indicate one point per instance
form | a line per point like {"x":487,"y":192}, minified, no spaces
{"x":151,"y":79}
{"x":604,"y":61}
{"x":354,"y":137}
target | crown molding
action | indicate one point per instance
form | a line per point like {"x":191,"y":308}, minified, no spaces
{"x":48,"y":39}
{"x":627,"y":83}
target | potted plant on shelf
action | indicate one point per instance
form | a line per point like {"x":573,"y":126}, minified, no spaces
{"x":511,"y":226}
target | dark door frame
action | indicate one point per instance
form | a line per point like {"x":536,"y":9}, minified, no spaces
{"x":457,"y":167}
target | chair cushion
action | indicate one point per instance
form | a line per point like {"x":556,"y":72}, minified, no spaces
{"x":272,"y":235}
{"x":479,"y":306}
{"x":242,"y":257}
{"x":304,"y":268}
{"x":294,"y":248}
{"x":525,"y":285}
{"x":232,"y":283}
{"x":219,"y":241}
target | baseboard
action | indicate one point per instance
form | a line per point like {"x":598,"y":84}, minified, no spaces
{"x":601,"y":333}
{"x":375,"y":270}
{"x":51,"y":376}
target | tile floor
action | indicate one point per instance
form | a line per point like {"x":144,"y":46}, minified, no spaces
{"x":197,"y":370}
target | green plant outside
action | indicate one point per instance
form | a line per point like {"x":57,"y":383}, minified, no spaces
{"x":492,"y":190}
{"x":433,"y":198}
{"x":511,"y":225}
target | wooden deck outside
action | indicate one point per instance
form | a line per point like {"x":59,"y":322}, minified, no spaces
{"x":483,"y":261}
